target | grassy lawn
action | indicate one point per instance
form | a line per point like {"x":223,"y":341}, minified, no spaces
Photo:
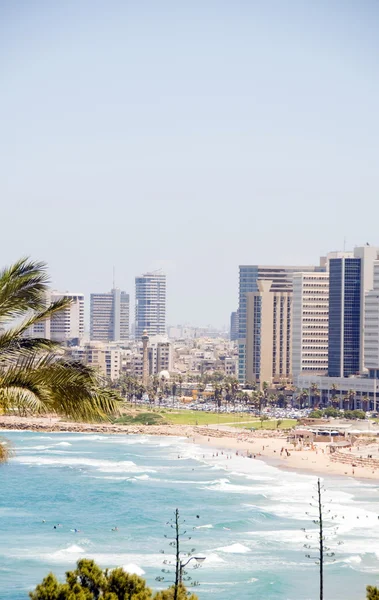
{"x":156,"y":416}
{"x":286,"y":424}
{"x":193,"y":417}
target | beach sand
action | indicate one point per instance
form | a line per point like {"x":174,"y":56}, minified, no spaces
{"x":269,"y":445}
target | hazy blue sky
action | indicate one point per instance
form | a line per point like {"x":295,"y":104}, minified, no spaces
{"x":190,"y":135}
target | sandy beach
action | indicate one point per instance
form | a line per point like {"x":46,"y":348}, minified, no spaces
{"x":258,"y":445}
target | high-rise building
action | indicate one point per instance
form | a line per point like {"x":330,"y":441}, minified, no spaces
{"x":67,"y":325}
{"x":234,"y":326}
{"x":350,"y":278}
{"x":268,"y":334}
{"x":150,"y":309}
{"x":249,"y":275}
{"x":310,"y":323}
{"x":110,"y":316}
{"x":371,"y":347}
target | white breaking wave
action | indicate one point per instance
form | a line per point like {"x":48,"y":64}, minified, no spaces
{"x":133,"y":569}
{"x":66,"y":553}
{"x":63,"y":444}
{"x":106,"y":466}
{"x":204,"y":527}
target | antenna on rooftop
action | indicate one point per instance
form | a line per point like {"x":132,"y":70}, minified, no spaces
{"x":114,"y":277}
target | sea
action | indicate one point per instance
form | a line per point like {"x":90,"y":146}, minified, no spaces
{"x":63,"y":495}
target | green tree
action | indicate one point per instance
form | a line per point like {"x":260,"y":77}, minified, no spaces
{"x":315,"y":414}
{"x":278,"y":423}
{"x":372,"y":593}
{"x":35,"y":374}
{"x":263,"y":418}
{"x":89,"y":582}
{"x":170,"y":594}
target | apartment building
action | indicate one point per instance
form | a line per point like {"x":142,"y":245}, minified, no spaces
{"x":281,"y":278}
{"x":109,"y":316}
{"x":310,"y":323}
{"x":150,"y":309}
{"x":268,"y":334}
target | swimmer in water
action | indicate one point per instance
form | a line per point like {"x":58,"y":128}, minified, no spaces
{"x":114,"y":529}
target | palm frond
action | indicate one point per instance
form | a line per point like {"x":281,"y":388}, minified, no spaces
{"x":22,"y":287}
{"x":55,"y":384}
{"x":5,"y":451}
{"x":11,"y":341}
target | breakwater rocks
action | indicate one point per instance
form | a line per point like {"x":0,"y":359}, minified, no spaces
{"x":55,"y":425}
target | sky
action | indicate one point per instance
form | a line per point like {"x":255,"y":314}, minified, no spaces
{"x":188,"y":136}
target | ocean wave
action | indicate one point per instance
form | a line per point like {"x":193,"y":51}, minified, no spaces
{"x":106,"y":466}
{"x":204,"y":527}
{"x":133,"y":569}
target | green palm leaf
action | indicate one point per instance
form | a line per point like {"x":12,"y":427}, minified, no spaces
{"x":35,"y":375}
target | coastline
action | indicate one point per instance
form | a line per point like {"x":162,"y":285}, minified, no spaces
{"x":268,"y":445}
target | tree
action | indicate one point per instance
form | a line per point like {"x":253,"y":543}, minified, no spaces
{"x":323,"y":553}
{"x":182,"y":559}
{"x":263,"y":418}
{"x":89,"y":582}
{"x":372,"y":593}
{"x":278,"y":423}
{"x":315,"y":394}
{"x":333,"y":391}
{"x":35,"y":374}
{"x":169,"y":594}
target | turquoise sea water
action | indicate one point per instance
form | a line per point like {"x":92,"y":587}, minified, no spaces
{"x":249,"y":526}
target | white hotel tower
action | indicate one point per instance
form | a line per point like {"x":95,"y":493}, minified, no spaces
{"x":150,"y":304}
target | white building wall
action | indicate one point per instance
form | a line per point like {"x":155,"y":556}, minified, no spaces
{"x":68,"y":323}
{"x":371,"y":333}
{"x":310,"y":323}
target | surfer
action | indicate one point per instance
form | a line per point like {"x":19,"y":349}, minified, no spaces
{"x":114,"y":529}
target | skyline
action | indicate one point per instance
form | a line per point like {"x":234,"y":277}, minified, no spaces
{"x":189,"y":138}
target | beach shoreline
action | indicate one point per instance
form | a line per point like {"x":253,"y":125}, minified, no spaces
{"x":268,"y":445}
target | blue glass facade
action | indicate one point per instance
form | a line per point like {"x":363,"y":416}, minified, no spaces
{"x":344,"y":316}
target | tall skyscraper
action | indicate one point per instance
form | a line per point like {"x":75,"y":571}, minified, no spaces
{"x":109,"y":320}
{"x":150,"y":309}
{"x":281,"y":278}
{"x":350,"y":278}
{"x":268,"y":334}
{"x":234,"y":326}
{"x":310,"y":323}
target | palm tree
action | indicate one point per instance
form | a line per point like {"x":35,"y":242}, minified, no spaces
{"x":333,"y":392}
{"x":35,"y":374}
{"x":315,"y":394}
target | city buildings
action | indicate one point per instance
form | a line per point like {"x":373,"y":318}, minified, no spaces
{"x":268,"y":334}
{"x":105,"y":358}
{"x":281,"y":281}
{"x":234,"y":326}
{"x":65,"y":326}
{"x":150,"y":309}
{"x":350,"y":278}
{"x":109,"y":316}
{"x":310,"y":323}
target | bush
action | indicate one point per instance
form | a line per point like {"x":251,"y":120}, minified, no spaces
{"x":315,"y":414}
{"x":89,"y":582}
